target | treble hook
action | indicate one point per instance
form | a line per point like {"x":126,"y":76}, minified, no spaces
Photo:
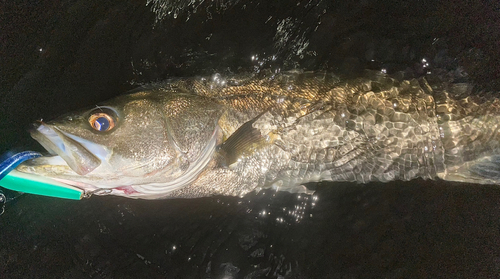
{"x":3,"y":199}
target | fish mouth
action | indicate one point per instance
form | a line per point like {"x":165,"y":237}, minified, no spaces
{"x":81,"y":155}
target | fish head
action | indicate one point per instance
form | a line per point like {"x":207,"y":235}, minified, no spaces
{"x":141,"y":145}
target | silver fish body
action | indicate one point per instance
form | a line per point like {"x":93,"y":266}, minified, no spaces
{"x":200,"y":137}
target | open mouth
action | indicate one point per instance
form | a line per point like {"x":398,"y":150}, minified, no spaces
{"x":81,"y":155}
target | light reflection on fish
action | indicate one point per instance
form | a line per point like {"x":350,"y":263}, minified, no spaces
{"x":229,"y":136}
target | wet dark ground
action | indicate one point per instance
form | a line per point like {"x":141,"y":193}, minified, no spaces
{"x":57,"y":56}
{"x":398,"y":230}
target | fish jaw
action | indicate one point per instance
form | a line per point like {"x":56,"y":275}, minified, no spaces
{"x":80,"y":155}
{"x":56,"y":168}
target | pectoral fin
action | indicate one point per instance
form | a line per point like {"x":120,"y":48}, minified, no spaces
{"x":243,"y":142}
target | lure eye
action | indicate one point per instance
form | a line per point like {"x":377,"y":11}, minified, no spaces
{"x":101,"y":122}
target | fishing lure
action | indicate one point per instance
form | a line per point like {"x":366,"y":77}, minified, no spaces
{"x":31,"y":183}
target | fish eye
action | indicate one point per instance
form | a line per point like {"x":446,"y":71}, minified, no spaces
{"x":101,"y":121}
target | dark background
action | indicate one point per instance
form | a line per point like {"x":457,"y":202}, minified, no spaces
{"x":57,"y":56}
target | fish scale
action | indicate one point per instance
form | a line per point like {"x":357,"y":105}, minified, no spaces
{"x":365,"y":151}
{"x":362,"y":151}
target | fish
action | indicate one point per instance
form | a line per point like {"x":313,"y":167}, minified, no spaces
{"x":231,"y":135}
